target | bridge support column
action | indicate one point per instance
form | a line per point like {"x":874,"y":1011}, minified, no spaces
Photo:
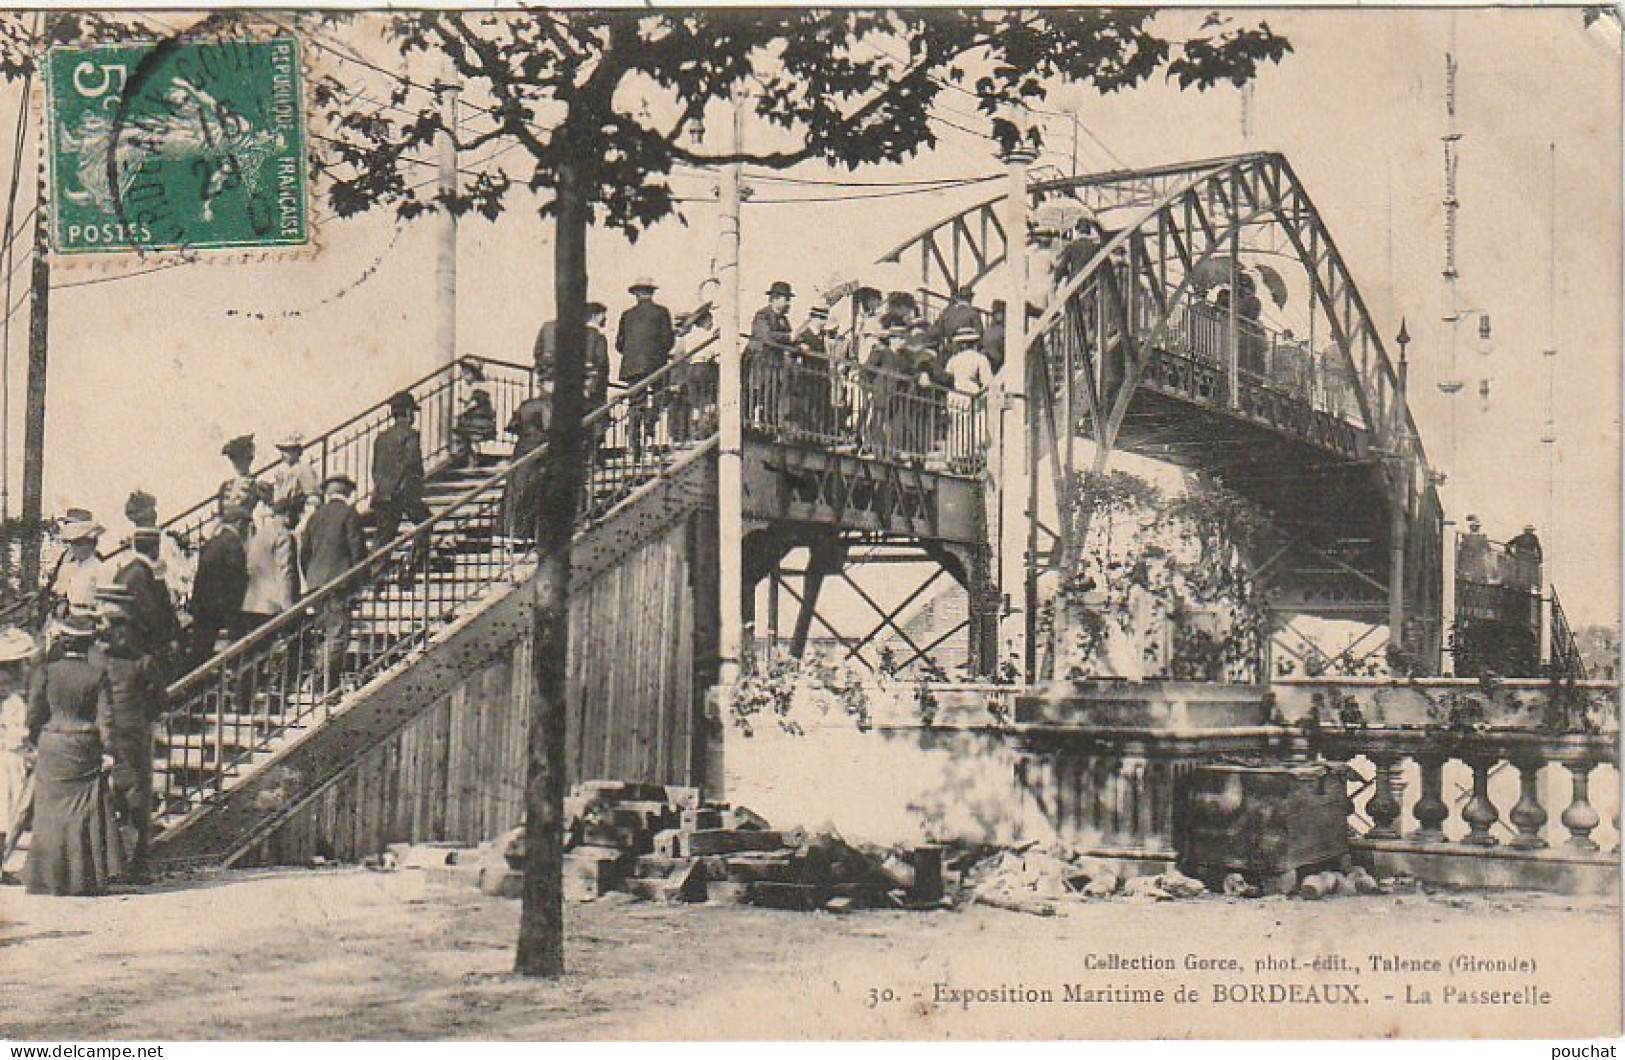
{"x":1015,"y":472}
{"x":730,"y":431}
{"x":1396,"y":578}
{"x":1447,"y":619}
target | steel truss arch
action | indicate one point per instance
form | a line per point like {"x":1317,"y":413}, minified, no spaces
{"x":1123,"y":330}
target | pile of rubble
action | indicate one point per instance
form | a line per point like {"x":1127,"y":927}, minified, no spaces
{"x":665,"y":843}
{"x":1028,"y":879}
{"x":1034,"y":880}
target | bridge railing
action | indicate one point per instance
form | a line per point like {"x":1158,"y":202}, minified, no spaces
{"x":1269,"y":359}
{"x":347,"y":448}
{"x":296,"y":668}
{"x":797,"y":396}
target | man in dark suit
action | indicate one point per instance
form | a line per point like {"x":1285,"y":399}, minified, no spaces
{"x":770,"y":327}
{"x":220,"y":585}
{"x":332,"y":544}
{"x":135,"y":687}
{"x":397,"y":470}
{"x":597,"y":360}
{"x":397,"y":481}
{"x":769,"y":400}
{"x":958,"y":315}
{"x":154,"y":629}
{"x":644,"y":337}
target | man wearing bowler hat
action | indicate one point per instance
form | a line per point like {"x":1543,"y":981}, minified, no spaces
{"x":397,"y":471}
{"x":154,"y":628}
{"x":645,"y":337}
{"x":770,"y":327}
{"x":769,"y":395}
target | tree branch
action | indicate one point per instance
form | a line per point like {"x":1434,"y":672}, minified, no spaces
{"x":497,"y":73}
{"x":784,"y":159}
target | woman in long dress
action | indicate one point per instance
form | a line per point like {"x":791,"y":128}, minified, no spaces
{"x":75,"y":846}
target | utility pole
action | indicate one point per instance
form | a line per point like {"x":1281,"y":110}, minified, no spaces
{"x":1548,"y":436}
{"x":445,"y":271}
{"x":730,"y":427}
{"x":1015,"y":474}
{"x":9,"y":544}
{"x":1400,"y":504}
{"x":34,"y":411}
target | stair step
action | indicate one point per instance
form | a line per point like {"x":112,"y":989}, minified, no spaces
{"x":470,"y":561}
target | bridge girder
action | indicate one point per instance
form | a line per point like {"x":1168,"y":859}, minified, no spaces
{"x":1107,"y":327}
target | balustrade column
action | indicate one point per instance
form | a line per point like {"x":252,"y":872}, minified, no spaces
{"x":1430,"y":810}
{"x":1581,"y":817}
{"x":1480,"y":813}
{"x":1384,"y":804}
{"x":1529,"y":816}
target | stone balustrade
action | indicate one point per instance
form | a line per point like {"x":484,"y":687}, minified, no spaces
{"x":1455,"y":782}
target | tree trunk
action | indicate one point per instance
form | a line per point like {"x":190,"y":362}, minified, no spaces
{"x":541,"y":918}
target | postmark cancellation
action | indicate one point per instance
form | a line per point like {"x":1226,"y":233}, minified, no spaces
{"x":177,"y":148}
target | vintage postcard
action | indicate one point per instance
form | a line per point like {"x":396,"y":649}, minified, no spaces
{"x":793,"y":523}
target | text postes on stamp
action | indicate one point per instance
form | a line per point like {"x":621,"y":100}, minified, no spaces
{"x":185,"y":145}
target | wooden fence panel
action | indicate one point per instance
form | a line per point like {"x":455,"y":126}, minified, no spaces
{"x":455,"y":771}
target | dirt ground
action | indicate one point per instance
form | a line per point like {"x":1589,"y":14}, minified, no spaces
{"x":357,"y":955}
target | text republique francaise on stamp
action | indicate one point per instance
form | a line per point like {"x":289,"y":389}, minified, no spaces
{"x":177,"y":146}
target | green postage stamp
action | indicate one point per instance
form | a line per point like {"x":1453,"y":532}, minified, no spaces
{"x":177,"y":145}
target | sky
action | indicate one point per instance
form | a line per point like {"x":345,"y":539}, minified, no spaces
{"x":149,"y":375}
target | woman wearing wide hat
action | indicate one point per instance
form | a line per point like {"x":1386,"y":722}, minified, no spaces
{"x":17,"y":652}
{"x":75,"y":846}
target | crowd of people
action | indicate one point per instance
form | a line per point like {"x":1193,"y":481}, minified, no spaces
{"x":883,"y":379}
{"x":79,"y":699}
{"x":891,"y":383}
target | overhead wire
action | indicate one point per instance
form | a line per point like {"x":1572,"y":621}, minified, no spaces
{"x":1041,"y":111}
{"x":124,"y":276}
{"x":781,"y":178}
{"x":883,"y":194}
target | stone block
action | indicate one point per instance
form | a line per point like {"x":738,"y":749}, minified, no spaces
{"x":592,"y":871}
{"x":728,"y":841}
{"x":802,"y":897}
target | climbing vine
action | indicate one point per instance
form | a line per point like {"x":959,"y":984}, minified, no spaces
{"x":774,"y":685}
{"x":1158,"y":585}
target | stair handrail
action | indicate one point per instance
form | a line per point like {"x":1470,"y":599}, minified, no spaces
{"x":18,"y":612}
{"x":343,"y":583}
{"x":311,"y":443}
{"x":1568,"y":661}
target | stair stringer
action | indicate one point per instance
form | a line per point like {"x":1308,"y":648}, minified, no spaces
{"x":223,"y":831}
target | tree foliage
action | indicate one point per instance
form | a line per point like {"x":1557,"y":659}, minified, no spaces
{"x":624,"y":96}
